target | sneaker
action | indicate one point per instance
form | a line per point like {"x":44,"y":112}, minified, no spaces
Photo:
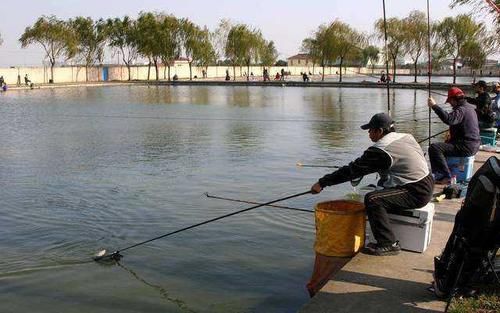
{"x":382,"y":250}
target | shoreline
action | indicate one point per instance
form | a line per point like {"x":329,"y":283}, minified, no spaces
{"x":211,"y":82}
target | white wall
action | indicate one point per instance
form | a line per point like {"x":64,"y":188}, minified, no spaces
{"x":74,"y":74}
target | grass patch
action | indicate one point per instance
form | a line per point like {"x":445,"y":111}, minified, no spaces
{"x":489,"y":302}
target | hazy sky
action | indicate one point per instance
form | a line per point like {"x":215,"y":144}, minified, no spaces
{"x":286,"y":22}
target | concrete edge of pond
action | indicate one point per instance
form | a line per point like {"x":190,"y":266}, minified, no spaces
{"x":392,"y":283}
{"x":441,"y":86}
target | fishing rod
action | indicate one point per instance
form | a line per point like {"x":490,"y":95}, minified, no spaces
{"x":442,"y":132}
{"x":253,"y":202}
{"x":116,"y":256}
{"x":387,"y":62}
{"x":314,"y":165}
{"x":429,"y":63}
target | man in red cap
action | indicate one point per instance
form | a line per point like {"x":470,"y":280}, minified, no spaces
{"x":464,"y":138}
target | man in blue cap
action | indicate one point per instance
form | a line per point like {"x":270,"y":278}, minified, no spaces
{"x":405,"y":183}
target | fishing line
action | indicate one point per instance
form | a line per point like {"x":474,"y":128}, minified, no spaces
{"x":163,"y":292}
{"x":253,"y":202}
{"x":102,"y":255}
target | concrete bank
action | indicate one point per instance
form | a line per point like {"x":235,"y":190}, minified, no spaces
{"x":209,"y":82}
{"x":393,"y":283}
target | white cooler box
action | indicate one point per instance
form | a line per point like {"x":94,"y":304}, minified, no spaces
{"x":413,"y":228}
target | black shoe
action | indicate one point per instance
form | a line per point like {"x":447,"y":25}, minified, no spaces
{"x":371,"y":245}
{"x":382,"y":250}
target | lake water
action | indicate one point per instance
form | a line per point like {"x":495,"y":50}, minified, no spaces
{"x":89,"y":168}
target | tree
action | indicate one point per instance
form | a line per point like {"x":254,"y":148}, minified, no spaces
{"x":203,"y":52}
{"x":269,"y":54}
{"x":473,"y":55}
{"x":148,"y":44}
{"x":321,"y":47}
{"x":395,"y":40}
{"x":242,"y":46}
{"x":453,"y":33}
{"x":370,"y":54}
{"x":54,"y":36}
{"x":197,"y":45}
{"x":281,"y":63}
{"x":492,"y":7}
{"x":170,"y":41}
{"x":90,"y":40}
{"x":347,"y":42}
{"x":122,"y":35}
{"x":219,"y":39}
{"x":416,"y":36}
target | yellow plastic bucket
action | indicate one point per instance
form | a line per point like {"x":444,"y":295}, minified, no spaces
{"x":340,"y":227}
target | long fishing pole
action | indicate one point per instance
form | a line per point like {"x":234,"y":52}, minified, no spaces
{"x":253,"y":202}
{"x":313,"y":165}
{"x":428,"y":138}
{"x":429,"y":62}
{"x":102,"y":256}
{"x":387,"y":62}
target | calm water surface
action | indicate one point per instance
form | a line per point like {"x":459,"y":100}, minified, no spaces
{"x":90,"y":168}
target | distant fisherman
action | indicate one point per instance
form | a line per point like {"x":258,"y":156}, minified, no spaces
{"x":483,"y":104}
{"x":406,"y":182}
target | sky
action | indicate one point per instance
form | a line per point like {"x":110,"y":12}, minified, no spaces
{"x":286,"y":22}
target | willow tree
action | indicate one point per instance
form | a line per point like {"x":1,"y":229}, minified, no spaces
{"x":197,"y":46}
{"x":395,"y":39}
{"x":490,"y":7}
{"x":170,"y":41}
{"x":347,"y":43}
{"x":123,"y":36}
{"x":54,"y":36}
{"x":148,"y":44}
{"x":321,"y":47}
{"x":416,"y":37}
{"x":453,"y":33}
{"x":370,"y":54}
{"x":474,"y":56}
{"x":204,"y":53}
{"x":242,"y":46}
{"x":268,"y":53}
{"x":90,"y":40}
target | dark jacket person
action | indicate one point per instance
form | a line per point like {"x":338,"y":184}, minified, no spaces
{"x":483,"y":105}
{"x":464,"y":138}
{"x":406,"y":179}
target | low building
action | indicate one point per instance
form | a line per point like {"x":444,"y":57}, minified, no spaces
{"x":301,"y":59}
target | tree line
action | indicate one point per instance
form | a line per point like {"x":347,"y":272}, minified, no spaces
{"x":157,"y":37}
{"x":455,"y":38}
{"x":161,"y":38}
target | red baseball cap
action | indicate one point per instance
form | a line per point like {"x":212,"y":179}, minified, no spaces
{"x":454,"y":92}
